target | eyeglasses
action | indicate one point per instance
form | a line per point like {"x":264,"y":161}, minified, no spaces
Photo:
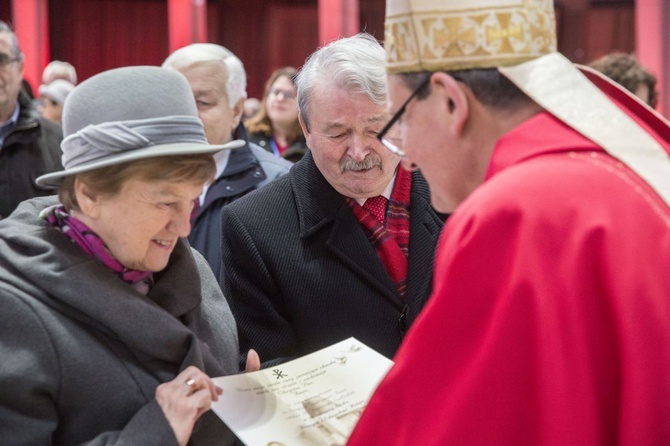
{"x":381,"y":136}
{"x":6,"y":59}
{"x":286,"y":93}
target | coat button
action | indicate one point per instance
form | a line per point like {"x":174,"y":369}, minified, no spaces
{"x":257,"y":174}
{"x":229,"y":188}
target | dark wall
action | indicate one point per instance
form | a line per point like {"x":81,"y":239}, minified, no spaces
{"x":372,"y":17}
{"x":6,"y":10}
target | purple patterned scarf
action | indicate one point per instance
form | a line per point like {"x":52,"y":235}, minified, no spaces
{"x":92,"y":244}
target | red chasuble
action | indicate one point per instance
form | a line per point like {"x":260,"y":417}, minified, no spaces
{"x":550,"y":318}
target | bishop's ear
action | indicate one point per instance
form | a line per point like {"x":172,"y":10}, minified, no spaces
{"x":305,"y":130}
{"x":455,"y":100}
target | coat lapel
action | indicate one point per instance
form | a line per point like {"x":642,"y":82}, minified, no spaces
{"x":348,"y":242}
{"x":321,"y":207}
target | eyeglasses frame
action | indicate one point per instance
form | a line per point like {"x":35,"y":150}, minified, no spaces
{"x":286,"y":95}
{"x":396,"y":116}
{"x":10,"y":60}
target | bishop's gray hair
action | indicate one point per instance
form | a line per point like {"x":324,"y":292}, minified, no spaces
{"x":354,"y":63}
{"x":488,"y":86}
{"x":236,"y":83}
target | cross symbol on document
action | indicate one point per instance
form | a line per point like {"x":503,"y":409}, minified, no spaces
{"x":278,"y":373}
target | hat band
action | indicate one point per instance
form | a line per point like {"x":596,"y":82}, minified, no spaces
{"x":98,"y":141}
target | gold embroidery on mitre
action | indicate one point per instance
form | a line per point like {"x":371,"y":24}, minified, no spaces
{"x":470,"y":38}
{"x":505,"y":35}
{"x":399,"y":42}
{"x":542,"y":31}
{"x":443,"y":38}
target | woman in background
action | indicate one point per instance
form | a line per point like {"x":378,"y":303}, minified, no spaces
{"x":275,"y":127}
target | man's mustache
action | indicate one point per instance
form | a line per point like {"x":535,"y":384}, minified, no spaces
{"x":368,"y":162}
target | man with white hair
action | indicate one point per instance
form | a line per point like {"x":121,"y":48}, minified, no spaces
{"x":219,"y":84}
{"x":343,"y":245}
{"x":549,"y":323}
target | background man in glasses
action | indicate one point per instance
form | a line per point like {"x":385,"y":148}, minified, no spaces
{"x":343,"y":245}
{"x":550,"y":318}
{"x":30,"y":145}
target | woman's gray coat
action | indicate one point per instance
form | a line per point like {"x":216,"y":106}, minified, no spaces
{"x":82,"y":352}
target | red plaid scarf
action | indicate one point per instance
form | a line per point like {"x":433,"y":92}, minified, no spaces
{"x":391,"y":241}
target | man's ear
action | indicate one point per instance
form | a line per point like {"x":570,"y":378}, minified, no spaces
{"x":88,"y":201}
{"x":21,"y":65}
{"x":237,"y":111}
{"x":305,"y":132}
{"x":456,"y":100}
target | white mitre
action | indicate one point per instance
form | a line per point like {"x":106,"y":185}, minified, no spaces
{"x":430,"y":35}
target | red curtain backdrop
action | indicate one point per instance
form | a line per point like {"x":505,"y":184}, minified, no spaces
{"x":97,"y":35}
{"x":586,"y":34}
{"x":6,"y":10}
{"x":265,"y":35}
{"x":610,"y":29}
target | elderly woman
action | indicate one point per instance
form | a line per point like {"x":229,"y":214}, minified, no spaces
{"x":111,"y":325}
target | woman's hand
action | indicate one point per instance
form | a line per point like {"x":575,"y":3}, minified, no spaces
{"x":184,"y":399}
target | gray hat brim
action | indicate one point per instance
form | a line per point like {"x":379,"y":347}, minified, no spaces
{"x":54,"y":180}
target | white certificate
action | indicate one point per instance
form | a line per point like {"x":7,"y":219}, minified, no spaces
{"x":313,"y":400}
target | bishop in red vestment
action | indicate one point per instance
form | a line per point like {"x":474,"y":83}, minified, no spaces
{"x":550,"y":317}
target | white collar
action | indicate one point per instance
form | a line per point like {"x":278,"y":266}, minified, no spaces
{"x":386,"y":193}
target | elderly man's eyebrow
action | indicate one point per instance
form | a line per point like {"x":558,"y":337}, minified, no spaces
{"x":378,"y":118}
{"x":203,"y":92}
{"x":333,"y":126}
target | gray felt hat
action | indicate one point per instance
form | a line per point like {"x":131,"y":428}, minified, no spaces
{"x":129,"y":114}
